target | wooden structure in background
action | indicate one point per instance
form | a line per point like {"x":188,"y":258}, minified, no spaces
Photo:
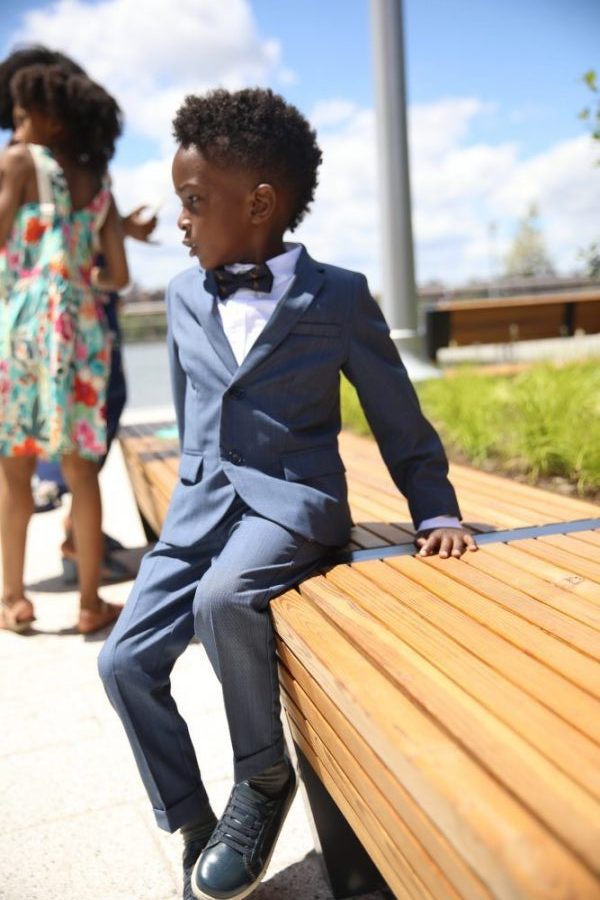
{"x":504,"y":320}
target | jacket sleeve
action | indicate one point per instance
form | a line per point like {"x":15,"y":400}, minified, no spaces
{"x":409,"y":445}
{"x":178,"y":379}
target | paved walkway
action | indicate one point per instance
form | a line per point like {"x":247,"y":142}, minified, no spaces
{"x":76,"y":823}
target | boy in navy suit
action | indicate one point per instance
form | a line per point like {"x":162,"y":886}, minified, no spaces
{"x":258,"y":335}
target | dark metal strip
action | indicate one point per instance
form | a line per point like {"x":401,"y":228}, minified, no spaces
{"x":488,"y":537}
{"x":153,"y":455}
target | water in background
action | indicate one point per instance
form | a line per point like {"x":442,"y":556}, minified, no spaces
{"x":147,"y":373}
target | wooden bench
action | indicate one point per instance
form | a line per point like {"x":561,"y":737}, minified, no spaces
{"x":447,"y":713}
{"x":504,"y":320}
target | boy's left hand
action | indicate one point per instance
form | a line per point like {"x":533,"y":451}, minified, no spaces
{"x":445,"y":542}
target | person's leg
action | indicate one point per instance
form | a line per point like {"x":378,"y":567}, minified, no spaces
{"x":16,"y":509}
{"x":135,"y":665}
{"x":260,"y":560}
{"x":82,"y":477}
{"x":116,"y":390}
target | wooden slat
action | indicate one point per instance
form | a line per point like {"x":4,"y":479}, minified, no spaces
{"x":509,"y":848}
{"x":504,"y":514}
{"x":555,"y":554}
{"x":584,"y":593}
{"x":560,"y":803}
{"x":531,"y":505}
{"x":434,"y":843}
{"x":588,"y":537}
{"x":400,"y":854}
{"x":551,"y":684}
{"x":482,"y":664}
{"x":583,"y":297}
{"x":387,"y":863}
{"x":495,"y":579}
{"x":526,"y":497}
{"x":391,"y":533}
{"x":361,"y":456}
{"x":571,"y":545}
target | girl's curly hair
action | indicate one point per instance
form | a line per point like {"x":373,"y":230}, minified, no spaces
{"x":92,"y":118}
{"x":255,"y":130}
{"x":24,"y":55}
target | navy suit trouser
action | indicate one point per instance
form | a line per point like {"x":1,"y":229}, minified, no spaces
{"x":219,"y":590}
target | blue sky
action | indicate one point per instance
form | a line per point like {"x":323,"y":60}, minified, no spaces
{"x":494,"y":90}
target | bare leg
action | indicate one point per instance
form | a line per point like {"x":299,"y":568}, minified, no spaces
{"x":86,"y":511}
{"x":16,"y":509}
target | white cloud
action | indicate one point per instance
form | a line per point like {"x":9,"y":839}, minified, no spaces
{"x":467,"y":196}
{"x":151,"y":54}
{"x":332,"y":113}
{"x":564,"y":183}
{"x":436,"y":128}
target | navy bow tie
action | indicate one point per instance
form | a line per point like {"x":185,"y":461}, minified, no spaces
{"x":225,"y":283}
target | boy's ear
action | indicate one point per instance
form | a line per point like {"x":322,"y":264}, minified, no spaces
{"x":263,"y":203}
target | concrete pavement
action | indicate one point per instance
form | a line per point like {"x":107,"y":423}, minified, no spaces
{"x":75,"y":819}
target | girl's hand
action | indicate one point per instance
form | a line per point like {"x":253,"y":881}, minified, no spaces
{"x":136,"y":226}
{"x":445,"y":542}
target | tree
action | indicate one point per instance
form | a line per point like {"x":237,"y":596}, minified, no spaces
{"x":591,"y":258}
{"x":527,"y":255}
{"x":591,"y":114}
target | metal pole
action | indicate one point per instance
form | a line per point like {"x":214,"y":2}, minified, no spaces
{"x":399,"y":300}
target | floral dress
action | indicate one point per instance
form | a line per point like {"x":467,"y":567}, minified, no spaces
{"x":54,"y":342}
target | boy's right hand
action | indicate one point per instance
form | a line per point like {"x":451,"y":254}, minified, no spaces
{"x":445,"y":542}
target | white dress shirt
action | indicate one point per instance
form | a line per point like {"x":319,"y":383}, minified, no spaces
{"x":245,"y":313}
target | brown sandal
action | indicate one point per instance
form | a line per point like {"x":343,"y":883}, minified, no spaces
{"x":91,"y":620}
{"x":16,"y":616}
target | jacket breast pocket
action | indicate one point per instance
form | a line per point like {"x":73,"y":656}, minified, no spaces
{"x":190,"y":467}
{"x":302,"y":465}
{"x":318,"y":329}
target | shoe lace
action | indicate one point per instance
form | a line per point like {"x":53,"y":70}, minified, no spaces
{"x":241,"y":823}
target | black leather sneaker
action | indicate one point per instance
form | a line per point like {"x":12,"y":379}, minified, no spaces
{"x":191,"y":852}
{"x":239,"y":851}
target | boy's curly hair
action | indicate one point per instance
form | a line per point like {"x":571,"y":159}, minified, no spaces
{"x":255,"y":130}
{"x":90,"y":115}
{"x":22,"y":56}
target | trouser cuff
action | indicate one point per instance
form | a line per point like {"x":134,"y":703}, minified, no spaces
{"x":184,"y":811}
{"x":258,"y":762}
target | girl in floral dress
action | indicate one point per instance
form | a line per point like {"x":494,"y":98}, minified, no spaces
{"x":55,"y":205}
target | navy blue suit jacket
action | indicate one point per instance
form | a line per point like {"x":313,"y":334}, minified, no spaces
{"x":267,"y":429}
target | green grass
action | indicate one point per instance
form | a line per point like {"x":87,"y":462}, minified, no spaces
{"x":544,"y":422}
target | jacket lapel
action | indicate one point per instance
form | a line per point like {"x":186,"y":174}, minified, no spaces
{"x":207,"y":314}
{"x":307,"y":282}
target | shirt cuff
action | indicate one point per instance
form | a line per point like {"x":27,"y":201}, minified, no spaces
{"x":439,"y":522}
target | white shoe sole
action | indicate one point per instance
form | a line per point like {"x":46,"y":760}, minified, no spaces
{"x":200,"y":895}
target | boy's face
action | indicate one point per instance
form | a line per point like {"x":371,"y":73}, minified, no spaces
{"x":217,"y":209}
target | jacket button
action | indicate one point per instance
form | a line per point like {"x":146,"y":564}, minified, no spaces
{"x":236,"y":457}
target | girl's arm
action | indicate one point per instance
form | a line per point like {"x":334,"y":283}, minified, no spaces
{"x":114,"y":275}
{"x":16,"y":168}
